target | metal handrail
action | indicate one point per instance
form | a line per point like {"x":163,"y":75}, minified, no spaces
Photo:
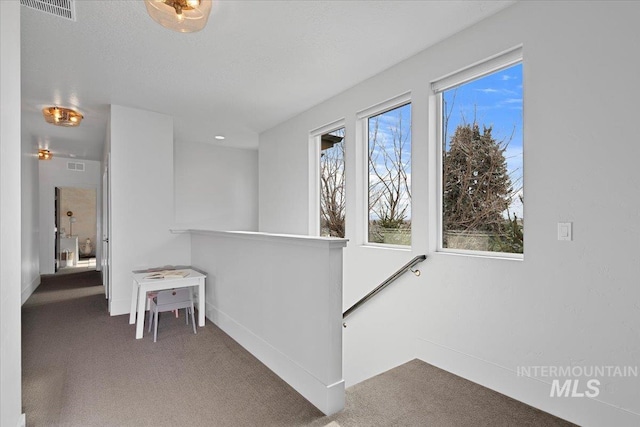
{"x":381,"y":286}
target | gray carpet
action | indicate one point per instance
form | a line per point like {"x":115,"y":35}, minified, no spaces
{"x":419,"y":394}
{"x":82,"y":367}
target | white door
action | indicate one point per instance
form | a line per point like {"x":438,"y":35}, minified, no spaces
{"x":106,"y":233}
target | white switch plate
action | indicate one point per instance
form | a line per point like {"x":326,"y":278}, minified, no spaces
{"x":565,"y":231}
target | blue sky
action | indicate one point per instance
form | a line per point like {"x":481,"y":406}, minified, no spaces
{"x":496,"y":101}
{"x":388,"y":125}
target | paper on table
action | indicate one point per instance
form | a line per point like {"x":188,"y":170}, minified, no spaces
{"x":176,"y":274}
{"x":167,"y":274}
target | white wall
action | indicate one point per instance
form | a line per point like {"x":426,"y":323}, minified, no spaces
{"x":567,"y":303}
{"x":30,"y":216}
{"x":216,"y":186}
{"x":287,"y":314}
{"x":54,"y":173}
{"x":10,"y":221}
{"x":142,"y":199}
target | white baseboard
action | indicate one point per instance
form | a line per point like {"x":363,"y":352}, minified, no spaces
{"x":119,"y":307}
{"x":30,"y":288}
{"x":329,"y":398}
{"x":22,"y":421}
{"x":583,"y":411}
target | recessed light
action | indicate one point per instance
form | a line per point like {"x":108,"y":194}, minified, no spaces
{"x":72,"y":156}
{"x":219,"y":137}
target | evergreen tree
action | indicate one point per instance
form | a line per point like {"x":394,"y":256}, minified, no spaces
{"x":477,"y":187}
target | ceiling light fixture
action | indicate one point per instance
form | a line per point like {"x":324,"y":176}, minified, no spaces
{"x":219,"y":137}
{"x":61,"y":116}
{"x":185,"y":16}
{"x":44,"y":155}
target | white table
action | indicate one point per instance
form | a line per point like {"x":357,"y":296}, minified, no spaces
{"x":142,"y":285}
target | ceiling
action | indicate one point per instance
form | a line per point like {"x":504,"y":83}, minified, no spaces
{"x":256,"y":64}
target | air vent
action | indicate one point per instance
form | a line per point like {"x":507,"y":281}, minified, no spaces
{"x":62,"y":8}
{"x":75,"y":166}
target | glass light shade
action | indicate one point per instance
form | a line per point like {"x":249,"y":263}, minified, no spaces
{"x":61,"y":116}
{"x":185,"y":16}
{"x":44,"y":154}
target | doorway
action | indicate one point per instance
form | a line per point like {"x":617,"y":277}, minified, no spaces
{"x":76,"y":229}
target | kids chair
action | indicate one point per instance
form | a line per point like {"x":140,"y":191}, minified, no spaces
{"x":169,"y":300}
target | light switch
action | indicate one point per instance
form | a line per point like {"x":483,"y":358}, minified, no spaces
{"x":564,"y":231}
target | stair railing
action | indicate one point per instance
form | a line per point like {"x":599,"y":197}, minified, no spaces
{"x":408,"y":266}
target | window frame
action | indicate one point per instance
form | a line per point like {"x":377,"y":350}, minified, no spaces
{"x":362,"y":119}
{"x":315,"y":136}
{"x":467,"y":74}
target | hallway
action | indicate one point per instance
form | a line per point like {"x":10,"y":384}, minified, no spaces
{"x":83,"y":265}
{"x":82,"y":367}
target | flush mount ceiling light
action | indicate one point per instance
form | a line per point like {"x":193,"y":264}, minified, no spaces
{"x":44,"y":155}
{"x":61,"y":116}
{"x":185,"y":16}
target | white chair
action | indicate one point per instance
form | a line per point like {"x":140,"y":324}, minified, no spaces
{"x":169,"y":300}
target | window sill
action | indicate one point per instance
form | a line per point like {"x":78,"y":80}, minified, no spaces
{"x":387,"y":246}
{"x":479,"y":254}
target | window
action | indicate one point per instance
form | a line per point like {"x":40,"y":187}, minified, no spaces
{"x":389,"y":149}
{"x":332,"y":201}
{"x":482,"y":197}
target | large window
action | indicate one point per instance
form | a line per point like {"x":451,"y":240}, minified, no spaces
{"x":332,"y":201}
{"x":482,"y":195}
{"x":389,"y":137}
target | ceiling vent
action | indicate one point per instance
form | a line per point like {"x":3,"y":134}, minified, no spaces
{"x":74,"y":166}
{"x":62,"y":8}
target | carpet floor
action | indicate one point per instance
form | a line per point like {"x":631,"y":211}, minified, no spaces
{"x":82,"y":367}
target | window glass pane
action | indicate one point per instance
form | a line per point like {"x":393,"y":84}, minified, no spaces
{"x":482,"y":186}
{"x":390,"y":177}
{"x":332,"y":202}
